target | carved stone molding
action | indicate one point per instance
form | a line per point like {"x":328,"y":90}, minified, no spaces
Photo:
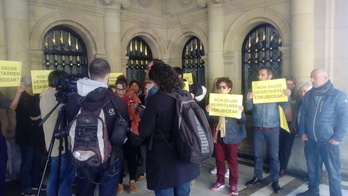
{"x":185,"y":3}
{"x":125,"y":4}
{"x":107,"y":2}
{"x":202,"y":3}
{"x":145,"y":3}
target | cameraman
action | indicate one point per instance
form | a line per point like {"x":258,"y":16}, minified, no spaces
{"x":95,"y":94}
{"x":55,"y":186}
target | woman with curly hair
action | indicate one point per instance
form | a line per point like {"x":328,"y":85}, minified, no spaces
{"x":166,"y":175}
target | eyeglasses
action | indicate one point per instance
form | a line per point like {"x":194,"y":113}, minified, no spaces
{"x":120,"y":89}
{"x":222,"y":87}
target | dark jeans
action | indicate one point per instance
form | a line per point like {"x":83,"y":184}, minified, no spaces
{"x":330,"y":155}
{"x":3,"y":162}
{"x":271,"y":137}
{"x":30,"y":168}
{"x":286,"y":140}
{"x":66,"y":176}
{"x":182,"y":190}
{"x":130,"y":155}
{"x":108,"y":185}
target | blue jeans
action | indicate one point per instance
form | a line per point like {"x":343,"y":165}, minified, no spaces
{"x":66,"y":176}
{"x":108,"y":185}
{"x":3,"y":162}
{"x":330,"y":155}
{"x":272,"y":139}
{"x":182,"y":190}
{"x":30,"y":168}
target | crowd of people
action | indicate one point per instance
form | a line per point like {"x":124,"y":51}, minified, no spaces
{"x":315,"y":111}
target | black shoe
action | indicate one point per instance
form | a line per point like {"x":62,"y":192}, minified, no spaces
{"x":276,"y":187}
{"x":253,"y":181}
{"x":308,"y":193}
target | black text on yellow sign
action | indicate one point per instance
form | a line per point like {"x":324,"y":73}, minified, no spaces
{"x":39,"y":80}
{"x":10,"y":73}
{"x":269,"y":91}
{"x":225,"y":105}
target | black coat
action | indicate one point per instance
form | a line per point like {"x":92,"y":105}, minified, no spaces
{"x":27,"y":131}
{"x":163,"y":169}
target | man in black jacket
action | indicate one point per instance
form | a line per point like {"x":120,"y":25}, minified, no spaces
{"x":95,"y":93}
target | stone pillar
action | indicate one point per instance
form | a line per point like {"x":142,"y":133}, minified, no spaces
{"x":302,"y":32}
{"x":215,"y":42}
{"x":112,"y":33}
{"x":3,"y":55}
{"x":16,"y":15}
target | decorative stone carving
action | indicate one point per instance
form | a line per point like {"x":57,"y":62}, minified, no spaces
{"x":145,"y":3}
{"x":202,"y":3}
{"x":125,"y":4}
{"x":185,"y":3}
{"x":107,"y":2}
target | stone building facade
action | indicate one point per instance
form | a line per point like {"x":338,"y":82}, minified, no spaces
{"x":313,"y":33}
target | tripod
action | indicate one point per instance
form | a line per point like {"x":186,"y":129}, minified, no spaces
{"x":57,"y":134}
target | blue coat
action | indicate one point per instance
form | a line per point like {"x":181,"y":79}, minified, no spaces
{"x":324,"y":117}
{"x":235,"y":129}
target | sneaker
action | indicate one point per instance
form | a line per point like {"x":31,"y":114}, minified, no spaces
{"x":213,"y":171}
{"x":28,"y":192}
{"x":43,"y":188}
{"x":132,"y":187}
{"x":120,"y":189}
{"x":253,"y":181}
{"x":233,"y":190}
{"x":308,"y":193}
{"x":217,"y":186}
{"x":141,"y":177}
{"x":276,"y":187}
{"x":227,"y":174}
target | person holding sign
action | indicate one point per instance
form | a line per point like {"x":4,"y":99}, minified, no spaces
{"x":322,"y":127}
{"x":266,"y":127}
{"x":229,"y":132}
{"x":29,"y":137}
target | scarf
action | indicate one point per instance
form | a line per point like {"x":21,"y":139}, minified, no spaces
{"x":221,"y":126}
{"x":321,"y":90}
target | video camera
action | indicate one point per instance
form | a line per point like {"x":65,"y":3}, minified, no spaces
{"x":66,"y":86}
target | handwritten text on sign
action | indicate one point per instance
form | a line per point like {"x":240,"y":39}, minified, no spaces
{"x":225,"y":105}
{"x":10,"y":73}
{"x":268,"y":91}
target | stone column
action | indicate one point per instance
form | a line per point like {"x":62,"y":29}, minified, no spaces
{"x":215,"y":41}
{"x":112,"y":33}
{"x":3,"y":55}
{"x":16,"y":15}
{"x":302,"y":32}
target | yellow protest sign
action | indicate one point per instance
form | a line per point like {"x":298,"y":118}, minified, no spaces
{"x":10,"y":73}
{"x":283,"y":123}
{"x":225,"y":105}
{"x":268,"y":91}
{"x":112,"y":78}
{"x":39,"y":80}
{"x":188,"y":77}
{"x":187,"y":86}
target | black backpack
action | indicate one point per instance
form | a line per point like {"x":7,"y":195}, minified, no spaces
{"x":192,"y":137}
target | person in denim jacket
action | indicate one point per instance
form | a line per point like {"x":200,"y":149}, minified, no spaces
{"x":229,"y":133}
{"x":323,"y":124}
{"x":266,"y":127}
